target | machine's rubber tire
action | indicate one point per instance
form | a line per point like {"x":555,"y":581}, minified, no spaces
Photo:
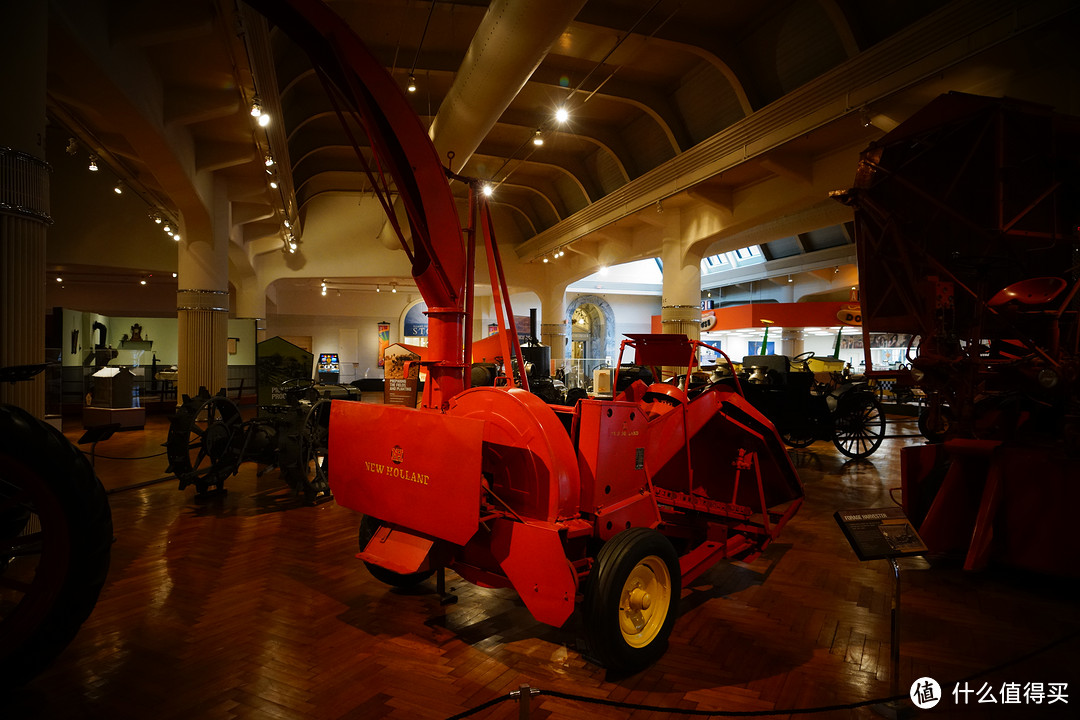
{"x":46,"y":480}
{"x":935,"y":432}
{"x":631,"y":600}
{"x":368,"y":526}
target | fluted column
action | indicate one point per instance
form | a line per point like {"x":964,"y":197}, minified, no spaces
{"x":202,"y":306}
{"x":24,"y":200}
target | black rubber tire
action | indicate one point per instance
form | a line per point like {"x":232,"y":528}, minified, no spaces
{"x":368,"y":526}
{"x":43,"y":473}
{"x":604,"y":596}
{"x":935,"y":432}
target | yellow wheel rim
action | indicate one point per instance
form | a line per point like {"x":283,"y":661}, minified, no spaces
{"x":644,"y":602}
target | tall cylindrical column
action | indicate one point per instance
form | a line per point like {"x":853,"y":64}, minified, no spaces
{"x":553,"y":326}
{"x":202,"y":302}
{"x":24,"y":200}
{"x":680,"y":311}
{"x":203,"y":327}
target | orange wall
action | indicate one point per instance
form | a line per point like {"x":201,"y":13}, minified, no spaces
{"x":805,"y":314}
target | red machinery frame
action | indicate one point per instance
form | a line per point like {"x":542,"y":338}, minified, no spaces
{"x":610,"y":504}
{"x":967,"y":233}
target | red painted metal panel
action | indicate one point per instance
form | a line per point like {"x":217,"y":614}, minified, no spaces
{"x":396,"y":550}
{"x":527,"y":452}
{"x":416,"y":469}
{"x":533,"y":558}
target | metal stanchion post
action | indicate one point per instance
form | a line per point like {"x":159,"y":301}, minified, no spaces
{"x":524,"y":695}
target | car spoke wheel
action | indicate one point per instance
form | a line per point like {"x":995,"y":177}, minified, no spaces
{"x":798,"y":437}
{"x":631,"y":599}
{"x":860,"y":425}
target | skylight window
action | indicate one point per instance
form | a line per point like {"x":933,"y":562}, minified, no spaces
{"x":742,"y":257}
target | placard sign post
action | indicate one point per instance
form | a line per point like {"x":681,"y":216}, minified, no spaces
{"x":884,"y":534}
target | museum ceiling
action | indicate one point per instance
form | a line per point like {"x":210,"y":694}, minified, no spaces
{"x":670,"y":104}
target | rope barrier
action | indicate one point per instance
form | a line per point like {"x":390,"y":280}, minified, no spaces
{"x":136,"y":486}
{"x":144,"y":457}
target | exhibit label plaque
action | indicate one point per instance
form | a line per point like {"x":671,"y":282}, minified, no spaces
{"x":876,"y":533}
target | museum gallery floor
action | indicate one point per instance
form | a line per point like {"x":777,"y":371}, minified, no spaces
{"x":254,"y":606}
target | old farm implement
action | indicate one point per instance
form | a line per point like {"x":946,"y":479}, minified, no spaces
{"x":611,"y":505}
{"x":967,"y":219}
{"x":208,"y":440}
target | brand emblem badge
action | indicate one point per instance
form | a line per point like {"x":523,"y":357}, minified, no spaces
{"x":397,"y":454}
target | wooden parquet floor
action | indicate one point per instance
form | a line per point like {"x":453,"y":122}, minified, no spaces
{"x":253,"y":606}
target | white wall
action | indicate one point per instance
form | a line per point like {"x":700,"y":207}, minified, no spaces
{"x":163,"y":332}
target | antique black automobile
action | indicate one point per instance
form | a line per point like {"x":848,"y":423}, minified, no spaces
{"x":208,"y":439}
{"x":806,"y":406}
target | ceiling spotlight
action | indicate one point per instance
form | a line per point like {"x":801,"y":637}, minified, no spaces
{"x":273,"y":184}
{"x":174,"y":274}
{"x":119,"y":189}
{"x":487,"y":189}
{"x":836,"y":270}
{"x":269,"y":160}
{"x":538,"y":139}
{"x":167,"y":227}
{"x":545,"y":259}
{"x":155,"y":217}
{"x":176,"y":236}
{"x":257,"y":112}
{"x":286,"y":223}
{"x":393,"y":287}
{"x":142,"y":282}
{"x":789,"y":279}
{"x":412,"y":83}
{"x":59,"y":279}
{"x":603,"y":269}
{"x":378,"y":289}
{"x":92,"y":167}
{"x":562,"y":114}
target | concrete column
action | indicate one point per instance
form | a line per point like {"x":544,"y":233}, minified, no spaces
{"x":680,"y":311}
{"x":554,"y":329}
{"x":202,"y":302}
{"x":251,"y":303}
{"x":24,"y":199}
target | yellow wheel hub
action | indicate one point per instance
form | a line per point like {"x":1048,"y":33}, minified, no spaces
{"x":644,"y":601}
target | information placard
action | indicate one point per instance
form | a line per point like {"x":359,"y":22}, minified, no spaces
{"x":876,"y":533}
{"x":401,"y":391}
